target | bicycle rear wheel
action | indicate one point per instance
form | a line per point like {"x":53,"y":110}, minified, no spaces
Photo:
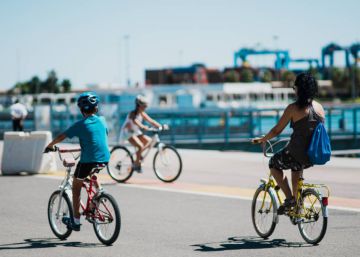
{"x":263,"y":212}
{"x":313,"y":222}
{"x":120,"y":166}
{"x":107,"y":220}
{"x":167,"y":164}
{"x":59,"y":207}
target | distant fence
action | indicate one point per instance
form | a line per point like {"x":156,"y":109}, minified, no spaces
{"x":199,"y":126}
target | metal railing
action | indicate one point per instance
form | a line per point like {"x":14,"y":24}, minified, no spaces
{"x":209,"y":125}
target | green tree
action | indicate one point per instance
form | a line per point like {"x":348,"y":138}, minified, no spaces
{"x":288,"y":77}
{"x":66,"y":86}
{"x":35,"y":85}
{"x":357,"y":81}
{"x":50,"y":84}
{"x":266,"y":76}
{"x":341,"y":79}
{"x":19,"y":88}
{"x":232,"y":76}
{"x":315,"y":72}
{"x":246,"y":75}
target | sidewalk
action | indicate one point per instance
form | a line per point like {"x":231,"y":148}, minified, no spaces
{"x":237,"y":174}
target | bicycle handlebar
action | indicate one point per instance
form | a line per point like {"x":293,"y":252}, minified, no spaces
{"x":74,"y":150}
{"x":157,"y":130}
{"x":48,"y":149}
{"x":268,"y":147}
{"x":61,"y":150}
{"x":266,"y":150}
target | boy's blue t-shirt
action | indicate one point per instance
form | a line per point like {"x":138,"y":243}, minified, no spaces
{"x":92,"y":133}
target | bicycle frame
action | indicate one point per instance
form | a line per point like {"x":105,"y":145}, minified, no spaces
{"x":271,"y":187}
{"x":91,"y":186}
{"x":92,"y":189}
{"x":323,"y":191}
{"x":309,"y":212}
{"x":271,"y":184}
{"x":155,"y":141}
{"x":65,"y":185}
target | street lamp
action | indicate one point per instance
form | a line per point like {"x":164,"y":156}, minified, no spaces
{"x":127,"y":59}
{"x":275,"y":39}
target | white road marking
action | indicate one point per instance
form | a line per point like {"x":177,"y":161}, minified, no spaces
{"x":183,"y":191}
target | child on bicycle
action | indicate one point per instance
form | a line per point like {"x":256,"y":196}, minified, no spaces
{"x":133,"y":126}
{"x":92,"y":133}
{"x":304,"y":115}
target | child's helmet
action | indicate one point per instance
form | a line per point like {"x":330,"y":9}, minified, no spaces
{"x":87,"y":101}
{"x":141,"y":101}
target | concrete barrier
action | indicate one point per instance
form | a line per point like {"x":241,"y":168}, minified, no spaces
{"x":23,"y":152}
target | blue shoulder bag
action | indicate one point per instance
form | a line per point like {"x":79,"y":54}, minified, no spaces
{"x":319,"y":150}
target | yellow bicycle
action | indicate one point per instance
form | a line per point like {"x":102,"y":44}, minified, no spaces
{"x":310,"y":213}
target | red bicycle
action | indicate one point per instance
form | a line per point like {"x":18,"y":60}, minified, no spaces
{"x":100,"y":208}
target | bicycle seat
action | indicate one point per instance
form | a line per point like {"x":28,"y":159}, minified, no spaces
{"x":68,"y":162}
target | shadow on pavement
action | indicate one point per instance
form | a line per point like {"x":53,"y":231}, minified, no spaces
{"x":38,"y":243}
{"x":19,"y":174}
{"x":241,"y":243}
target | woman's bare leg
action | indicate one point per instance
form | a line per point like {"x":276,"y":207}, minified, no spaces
{"x":136,"y":142}
{"x":145,"y":140}
{"x":295,"y":176}
{"x":282,"y":181}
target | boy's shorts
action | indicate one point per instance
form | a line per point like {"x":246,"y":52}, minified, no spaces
{"x":84,"y":169}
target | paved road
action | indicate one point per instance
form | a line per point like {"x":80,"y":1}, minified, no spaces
{"x":160,"y":223}
{"x":204,"y":213}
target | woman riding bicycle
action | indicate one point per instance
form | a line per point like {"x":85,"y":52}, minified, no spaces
{"x":133,"y":126}
{"x":304,"y":115}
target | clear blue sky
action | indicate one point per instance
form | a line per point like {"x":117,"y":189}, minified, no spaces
{"x":83,"y":40}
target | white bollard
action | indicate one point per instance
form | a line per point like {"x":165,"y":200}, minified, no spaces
{"x":23,"y":152}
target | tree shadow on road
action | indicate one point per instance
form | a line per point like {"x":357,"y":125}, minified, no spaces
{"x":38,"y":243}
{"x":241,"y":243}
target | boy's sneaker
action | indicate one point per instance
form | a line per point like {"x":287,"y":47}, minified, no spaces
{"x":70,"y":225}
{"x":138,"y":168}
{"x":75,"y":227}
{"x":288,"y":204}
{"x":66,"y":220}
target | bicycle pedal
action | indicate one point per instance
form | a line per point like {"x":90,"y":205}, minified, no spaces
{"x":66,"y":220}
{"x":296,"y":221}
{"x":90,"y":219}
{"x":299,"y":220}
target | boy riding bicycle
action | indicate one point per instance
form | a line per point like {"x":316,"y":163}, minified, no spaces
{"x":92,"y":133}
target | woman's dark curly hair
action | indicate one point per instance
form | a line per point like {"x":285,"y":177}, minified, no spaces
{"x":307,"y":89}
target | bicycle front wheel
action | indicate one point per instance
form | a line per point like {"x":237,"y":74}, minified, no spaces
{"x":264,"y":212}
{"x":59,"y":207}
{"x":120,"y":166}
{"x":107,"y":220}
{"x":167,"y":164}
{"x":313,"y":221}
